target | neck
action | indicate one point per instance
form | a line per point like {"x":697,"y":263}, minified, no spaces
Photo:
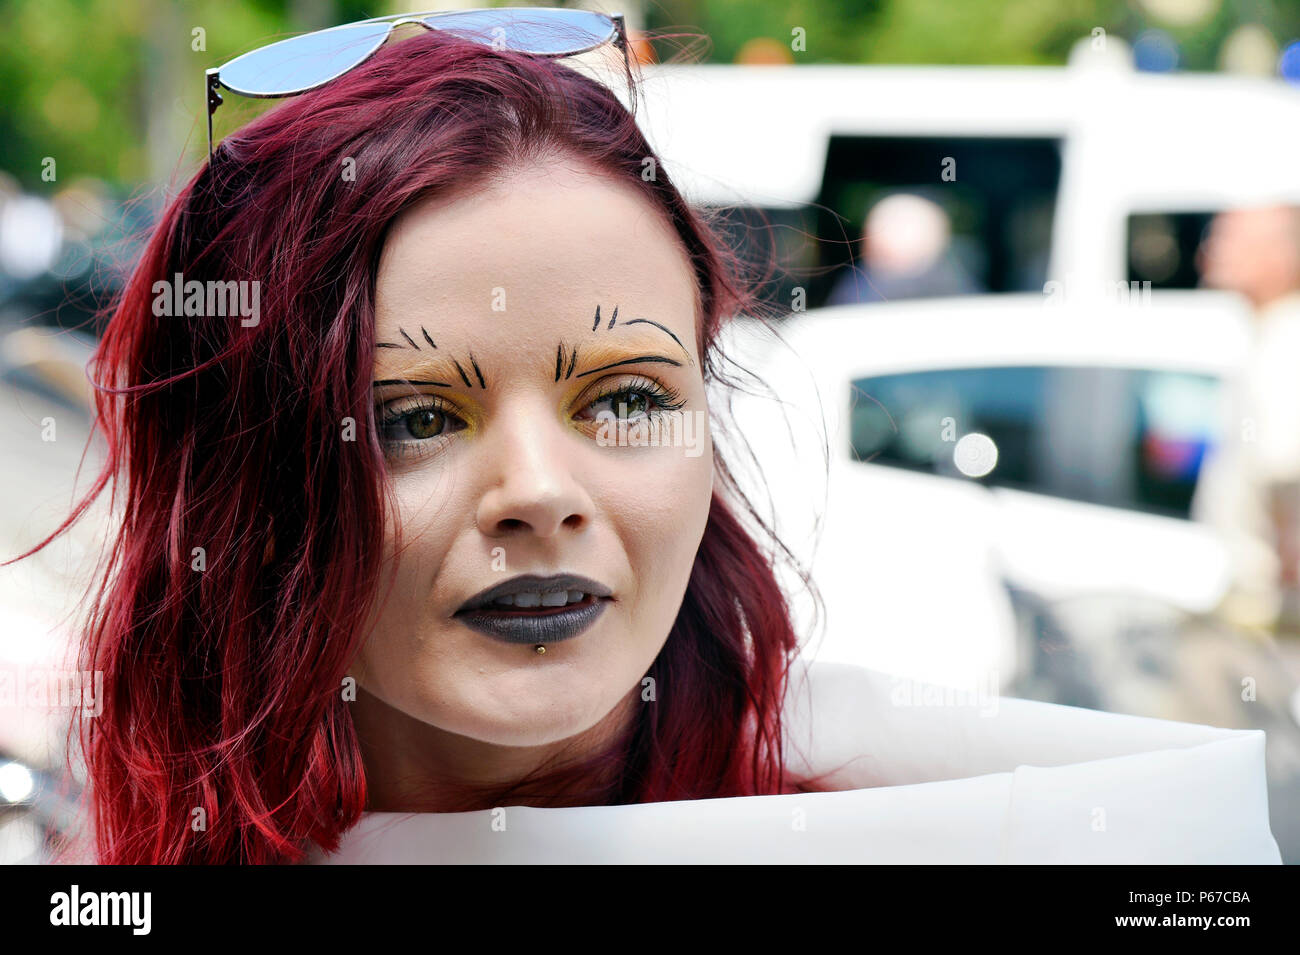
{"x":411,"y":766}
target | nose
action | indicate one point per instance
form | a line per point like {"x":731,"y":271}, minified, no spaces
{"x":534,"y":488}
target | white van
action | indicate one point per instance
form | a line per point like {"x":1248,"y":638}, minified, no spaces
{"x":1129,"y":143}
{"x":927,"y":556}
{"x":1092,"y":421}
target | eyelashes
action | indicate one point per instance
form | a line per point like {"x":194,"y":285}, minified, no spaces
{"x":663,"y":398}
{"x":418,"y":425}
{"x":407,"y":423}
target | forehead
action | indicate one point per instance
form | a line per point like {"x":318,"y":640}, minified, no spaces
{"x":530,"y":256}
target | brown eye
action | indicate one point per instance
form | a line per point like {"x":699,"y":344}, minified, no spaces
{"x":416,"y":425}
{"x":635,"y":398}
{"x":634,"y":403}
{"x":425,"y":423}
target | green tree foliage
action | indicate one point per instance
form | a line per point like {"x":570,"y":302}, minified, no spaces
{"x":113,"y":88}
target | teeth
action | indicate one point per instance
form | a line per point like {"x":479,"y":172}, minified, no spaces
{"x":537,"y":599}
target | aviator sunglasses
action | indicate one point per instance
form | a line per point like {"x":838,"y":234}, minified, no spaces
{"x":303,"y":63}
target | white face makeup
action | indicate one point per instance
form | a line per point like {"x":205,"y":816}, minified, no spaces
{"x":496,"y":386}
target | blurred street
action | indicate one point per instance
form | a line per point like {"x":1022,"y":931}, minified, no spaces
{"x":37,"y":597}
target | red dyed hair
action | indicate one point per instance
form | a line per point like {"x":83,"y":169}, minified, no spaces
{"x":222,"y":688}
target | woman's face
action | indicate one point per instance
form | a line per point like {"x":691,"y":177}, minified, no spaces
{"x":498,"y":392}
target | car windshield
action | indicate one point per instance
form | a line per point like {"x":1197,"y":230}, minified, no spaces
{"x":1121,"y":437}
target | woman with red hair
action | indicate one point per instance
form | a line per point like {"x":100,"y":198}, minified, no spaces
{"x":407,"y":407}
{"x":401,"y":540}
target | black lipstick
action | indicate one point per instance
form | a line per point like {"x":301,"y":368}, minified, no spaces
{"x":486,"y":613}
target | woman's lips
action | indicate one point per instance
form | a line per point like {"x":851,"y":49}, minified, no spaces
{"x":535,"y":624}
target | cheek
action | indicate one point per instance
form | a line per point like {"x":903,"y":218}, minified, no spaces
{"x":426,"y":509}
{"x":660,"y":518}
{"x":428,"y":515}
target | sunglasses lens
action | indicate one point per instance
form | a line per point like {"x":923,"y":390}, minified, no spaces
{"x":547,"y":32}
{"x":302,"y":62}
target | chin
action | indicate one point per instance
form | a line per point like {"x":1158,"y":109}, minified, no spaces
{"x":544,"y":712}
{"x":542,"y":727}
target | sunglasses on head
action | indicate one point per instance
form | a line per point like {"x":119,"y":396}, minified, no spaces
{"x":303,"y":63}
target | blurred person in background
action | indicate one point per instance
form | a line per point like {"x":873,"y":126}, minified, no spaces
{"x":905,"y":253}
{"x":1251,"y":489}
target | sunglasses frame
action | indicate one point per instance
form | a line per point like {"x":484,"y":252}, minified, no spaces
{"x":213,"y":84}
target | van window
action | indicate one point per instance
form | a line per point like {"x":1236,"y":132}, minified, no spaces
{"x":1162,"y":249}
{"x":998,"y":194}
{"x":1128,"y":438}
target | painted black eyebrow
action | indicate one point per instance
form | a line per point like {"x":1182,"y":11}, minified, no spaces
{"x":411,"y":381}
{"x":646,"y":321}
{"x":596,"y":324}
{"x":559,"y":361}
{"x":559,"y":355}
{"x":632,"y":361}
{"x":462,"y":373}
{"x":410,"y":341}
{"x":649,"y":321}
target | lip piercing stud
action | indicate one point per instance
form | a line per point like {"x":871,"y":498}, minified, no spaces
{"x":539,"y":648}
